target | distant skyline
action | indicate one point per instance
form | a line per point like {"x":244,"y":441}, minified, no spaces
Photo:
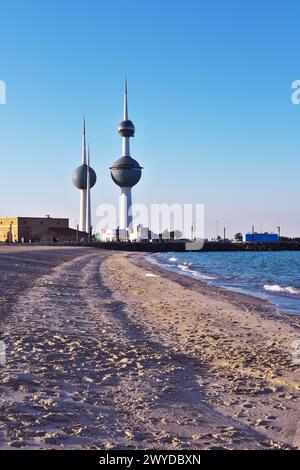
{"x":210,"y":91}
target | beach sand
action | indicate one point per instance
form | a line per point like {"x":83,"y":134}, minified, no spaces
{"x":105,"y":350}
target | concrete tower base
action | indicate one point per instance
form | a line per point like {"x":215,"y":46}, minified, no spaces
{"x":125,"y":216}
{"x":82,"y":221}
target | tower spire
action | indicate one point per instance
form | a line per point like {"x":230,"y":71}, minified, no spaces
{"x":83,"y":143}
{"x":124,"y":125}
{"x":88,"y":191}
{"x":125,"y":101}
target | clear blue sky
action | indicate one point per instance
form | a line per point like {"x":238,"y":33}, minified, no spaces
{"x":209,"y":93}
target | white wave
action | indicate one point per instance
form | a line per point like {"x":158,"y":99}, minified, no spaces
{"x":184,"y":268}
{"x":276,"y":288}
{"x":190,"y":272}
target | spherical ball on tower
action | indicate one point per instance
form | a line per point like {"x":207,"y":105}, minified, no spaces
{"x":126,"y":129}
{"x":126,"y":172}
{"x":80,"y":177}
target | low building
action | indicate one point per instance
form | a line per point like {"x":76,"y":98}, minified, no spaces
{"x":37,"y":229}
{"x":109,"y":235}
{"x":140,"y":234}
{"x":64,"y":235}
{"x":261,"y":238}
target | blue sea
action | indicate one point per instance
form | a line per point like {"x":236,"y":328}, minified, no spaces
{"x":273,"y":276}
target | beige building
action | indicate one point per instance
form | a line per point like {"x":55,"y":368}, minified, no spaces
{"x":35,"y":229}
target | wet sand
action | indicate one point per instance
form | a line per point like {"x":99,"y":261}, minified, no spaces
{"x":105,"y":350}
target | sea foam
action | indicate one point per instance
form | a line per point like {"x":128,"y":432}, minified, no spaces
{"x":185,"y":268}
{"x":276,"y":288}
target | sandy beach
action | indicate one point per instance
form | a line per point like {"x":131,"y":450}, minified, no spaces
{"x":105,"y":350}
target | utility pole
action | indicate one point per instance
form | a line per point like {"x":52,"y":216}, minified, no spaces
{"x":279,"y":230}
{"x":90,"y":234}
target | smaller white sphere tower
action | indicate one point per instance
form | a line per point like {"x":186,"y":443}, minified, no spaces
{"x":126,"y":172}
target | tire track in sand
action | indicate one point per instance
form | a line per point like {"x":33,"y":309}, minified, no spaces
{"x":55,"y":365}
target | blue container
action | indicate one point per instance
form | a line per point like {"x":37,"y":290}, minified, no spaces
{"x":261,"y":237}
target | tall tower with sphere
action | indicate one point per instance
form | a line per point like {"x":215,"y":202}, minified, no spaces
{"x":126,"y":172}
{"x":84,"y":178}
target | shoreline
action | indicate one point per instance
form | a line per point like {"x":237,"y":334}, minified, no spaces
{"x":263,"y":307}
{"x":244,"y":345}
{"x":212,"y":280}
{"x":232,"y":295}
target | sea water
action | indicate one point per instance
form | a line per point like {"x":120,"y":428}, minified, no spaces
{"x":274,"y":276}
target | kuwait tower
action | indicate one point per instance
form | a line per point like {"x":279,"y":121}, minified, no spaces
{"x":125,"y":172}
{"x":84,"y":178}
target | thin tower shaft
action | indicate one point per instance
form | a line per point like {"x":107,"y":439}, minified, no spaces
{"x":125,"y":102}
{"x":82,"y":219}
{"x":125,"y":139}
{"x":83,"y":160}
{"x":88,"y":185}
